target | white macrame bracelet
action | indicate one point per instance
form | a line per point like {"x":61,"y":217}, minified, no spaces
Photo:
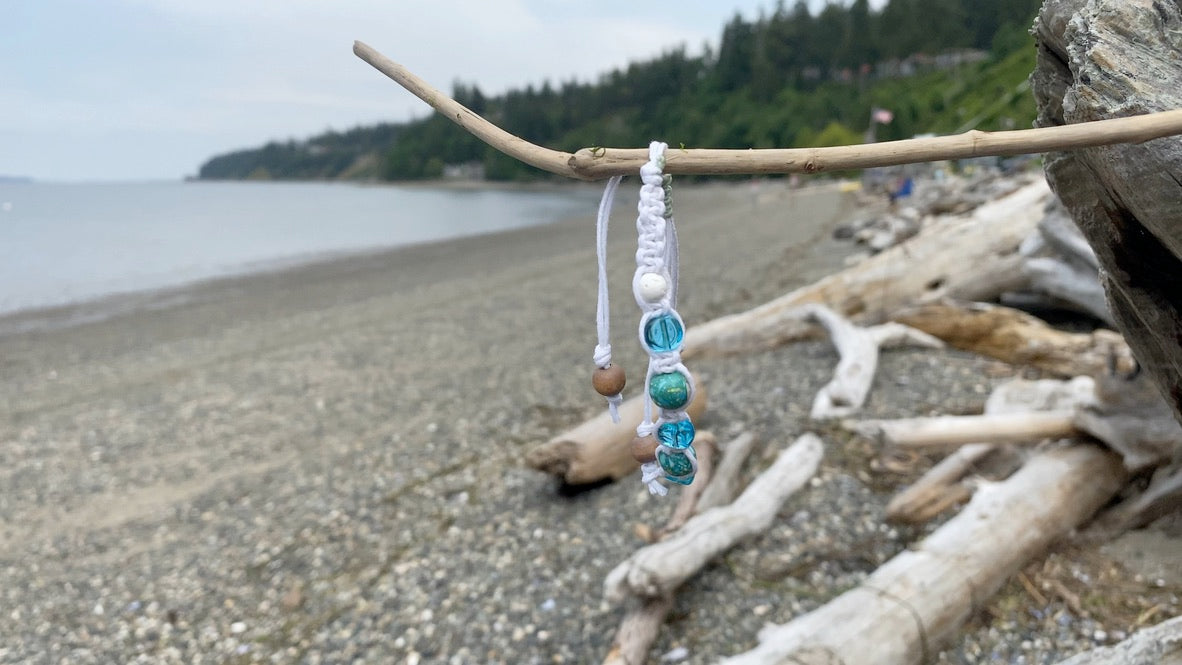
{"x":663,"y":445}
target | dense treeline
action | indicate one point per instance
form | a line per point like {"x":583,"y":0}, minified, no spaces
{"x":788,"y":78}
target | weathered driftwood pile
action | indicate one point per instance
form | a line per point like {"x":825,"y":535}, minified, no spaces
{"x":932,"y":197}
{"x":1049,"y":433}
{"x":942,"y":273}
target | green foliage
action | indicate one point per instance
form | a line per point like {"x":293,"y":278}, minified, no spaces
{"x":834,"y":133}
{"x":786,"y":79}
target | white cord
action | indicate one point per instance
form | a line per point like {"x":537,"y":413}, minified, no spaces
{"x":603,"y":349}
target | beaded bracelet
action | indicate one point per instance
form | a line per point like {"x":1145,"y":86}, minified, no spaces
{"x":668,"y":384}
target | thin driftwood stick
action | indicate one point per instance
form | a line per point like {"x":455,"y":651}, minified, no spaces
{"x":600,"y":163}
{"x":955,"y":431}
{"x":916,"y":601}
{"x":657,"y":569}
{"x":598,"y":448}
{"x":858,"y":350}
{"x":941,"y":487}
{"x":722,"y":487}
{"x":638,"y":631}
{"x":706,"y":447}
{"x":640,"y":625}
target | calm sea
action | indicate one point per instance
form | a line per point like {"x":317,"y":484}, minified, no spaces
{"x":62,"y":243}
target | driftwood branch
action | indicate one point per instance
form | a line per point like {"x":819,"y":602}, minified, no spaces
{"x":1018,"y":338}
{"x":706,"y":447}
{"x":638,"y":630}
{"x":725,"y":484}
{"x":955,"y":431}
{"x":942,"y":487}
{"x":858,"y":350}
{"x":920,"y":598}
{"x":640,"y":626}
{"x":598,"y":448}
{"x":600,"y":163}
{"x":658,"y":569}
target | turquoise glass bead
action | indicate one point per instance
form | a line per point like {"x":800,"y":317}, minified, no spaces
{"x":677,"y":466}
{"x":676,"y":435}
{"x":669,"y":391}
{"x":663,"y":333}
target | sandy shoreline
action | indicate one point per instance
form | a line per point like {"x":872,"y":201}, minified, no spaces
{"x":321,"y":464}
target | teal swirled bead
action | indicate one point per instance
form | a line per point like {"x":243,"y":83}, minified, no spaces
{"x":676,"y":435}
{"x":677,"y":465}
{"x":669,"y":391}
{"x":663,"y":333}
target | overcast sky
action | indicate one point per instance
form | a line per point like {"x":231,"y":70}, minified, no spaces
{"x":149,"y":89}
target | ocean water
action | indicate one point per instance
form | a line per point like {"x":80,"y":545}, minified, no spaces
{"x":66,"y":243}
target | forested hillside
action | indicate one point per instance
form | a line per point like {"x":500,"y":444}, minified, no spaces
{"x":788,"y":78}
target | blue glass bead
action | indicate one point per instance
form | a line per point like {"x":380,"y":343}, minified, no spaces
{"x":669,"y":391}
{"x":663,"y":333}
{"x":676,"y":465}
{"x":684,"y":480}
{"x":676,"y":435}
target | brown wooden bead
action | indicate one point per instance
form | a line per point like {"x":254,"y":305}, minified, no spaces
{"x":644,"y":449}
{"x":608,"y":380}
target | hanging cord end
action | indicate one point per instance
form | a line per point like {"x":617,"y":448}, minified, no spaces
{"x":650,"y":474}
{"x":613,"y":406}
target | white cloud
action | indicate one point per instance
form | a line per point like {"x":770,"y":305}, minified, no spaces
{"x":211,"y":75}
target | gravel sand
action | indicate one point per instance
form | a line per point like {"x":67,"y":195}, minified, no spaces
{"x":322,"y":464}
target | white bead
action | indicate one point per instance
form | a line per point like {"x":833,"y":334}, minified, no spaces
{"x":653,"y":286}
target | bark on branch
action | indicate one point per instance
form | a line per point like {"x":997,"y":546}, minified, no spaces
{"x":600,"y":163}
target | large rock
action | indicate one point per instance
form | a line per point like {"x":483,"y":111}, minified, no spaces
{"x":1102,"y":59}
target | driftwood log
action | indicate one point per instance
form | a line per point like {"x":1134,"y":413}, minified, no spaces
{"x":919,"y":599}
{"x":598,"y":448}
{"x":928,"y":267}
{"x":1116,"y":58}
{"x":1018,"y":338}
{"x":1062,"y":268}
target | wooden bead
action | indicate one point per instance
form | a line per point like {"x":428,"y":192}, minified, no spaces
{"x":608,"y":381}
{"x":644,"y":449}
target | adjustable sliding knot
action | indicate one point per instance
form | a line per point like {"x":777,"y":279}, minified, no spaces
{"x":650,"y":475}
{"x":668,"y":383}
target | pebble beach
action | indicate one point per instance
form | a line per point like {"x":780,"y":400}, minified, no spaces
{"x":323,"y":464}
